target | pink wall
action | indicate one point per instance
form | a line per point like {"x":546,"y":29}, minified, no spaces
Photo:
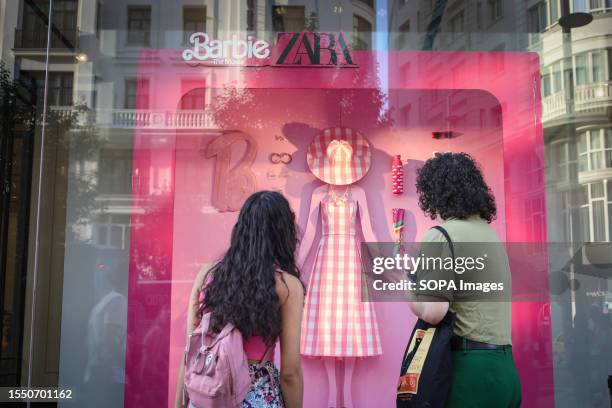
{"x":495,"y":100}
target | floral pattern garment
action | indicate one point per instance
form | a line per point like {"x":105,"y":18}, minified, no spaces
{"x":265,"y":391}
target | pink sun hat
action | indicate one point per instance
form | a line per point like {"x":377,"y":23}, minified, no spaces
{"x":339,"y":156}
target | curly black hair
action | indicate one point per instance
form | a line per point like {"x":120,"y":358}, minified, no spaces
{"x":451,"y":185}
{"x":242,"y":285}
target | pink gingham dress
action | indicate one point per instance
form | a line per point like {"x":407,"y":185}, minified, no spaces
{"x":336,"y":322}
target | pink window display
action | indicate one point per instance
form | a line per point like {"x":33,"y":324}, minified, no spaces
{"x":189,"y":183}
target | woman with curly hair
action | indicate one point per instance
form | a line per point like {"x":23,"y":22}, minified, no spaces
{"x":451,"y":188}
{"x":256,"y":287}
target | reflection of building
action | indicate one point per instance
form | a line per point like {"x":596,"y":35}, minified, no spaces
{"x":96,"y":97}
{"x":577,"y":102}
{"x":93,"y":61}
{"x":576,"y":92}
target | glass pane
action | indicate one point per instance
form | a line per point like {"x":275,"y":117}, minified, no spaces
{"x":596,"y":4}
{"x":151,"y":143}
{"x":598,"y":66}
{"x":599,"y":221}
{"x":554,"y":10}
{"x":585,"y":221}
{"x":583,"y":195}
{"x":597,"y":190}
{"x":546,"y":85}
{"x":579,"y":5}
{"x":582,"y":142}
{"x":595,"y":138}
{"x":596,"y":160}
{"x":557,"y":77}
{"x":581,"y":69}
{"x":583,"y":163}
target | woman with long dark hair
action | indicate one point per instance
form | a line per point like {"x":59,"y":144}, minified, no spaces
{"x":256,"y":288}
{"x":451,"y":188}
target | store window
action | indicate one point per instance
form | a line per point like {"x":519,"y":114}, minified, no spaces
{"x":123,"y":163}
{"x":194,"y":21}
{"x":139,"y":25}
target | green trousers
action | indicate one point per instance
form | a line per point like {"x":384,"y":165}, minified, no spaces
{"x":483,"y":379}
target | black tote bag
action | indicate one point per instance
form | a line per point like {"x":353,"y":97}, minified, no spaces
{"x":427,"y":368}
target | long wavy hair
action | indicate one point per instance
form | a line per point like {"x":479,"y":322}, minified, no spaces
{"x":451,"y":185}
{"x":241,"y":288}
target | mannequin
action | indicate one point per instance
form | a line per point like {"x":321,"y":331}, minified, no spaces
{"x":337,"y":325}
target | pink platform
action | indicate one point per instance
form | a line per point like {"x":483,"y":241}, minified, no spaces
{"x":495,"y":99}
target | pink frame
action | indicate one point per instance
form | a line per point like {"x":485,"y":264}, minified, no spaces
{"x":513,"y":78}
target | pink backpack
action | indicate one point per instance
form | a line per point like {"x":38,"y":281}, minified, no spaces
{"x":216,"y":368}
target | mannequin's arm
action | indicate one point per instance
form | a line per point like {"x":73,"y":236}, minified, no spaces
{"x":311,"y":224}
{"x":192,"y":309}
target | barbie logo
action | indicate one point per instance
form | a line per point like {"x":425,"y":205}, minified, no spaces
{"x":225,"y":51}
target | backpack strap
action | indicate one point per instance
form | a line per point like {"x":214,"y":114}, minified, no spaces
{"x":444,"y":232}
{"x":448,"y":238}
{"x":262,"y":365}
{"x":266,"y":356}
{"x":224,"y":332}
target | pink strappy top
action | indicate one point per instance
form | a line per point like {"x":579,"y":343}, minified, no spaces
{"x":255,"y":348}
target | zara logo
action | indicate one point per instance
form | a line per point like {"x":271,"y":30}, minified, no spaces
{"x":306,"y":49}
{"x":314,"y":49}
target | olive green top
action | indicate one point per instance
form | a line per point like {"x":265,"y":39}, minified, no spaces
{"x":486,"y":321}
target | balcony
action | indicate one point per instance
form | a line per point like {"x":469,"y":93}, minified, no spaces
{"x":554,"y":106}
{"x":139,"y":118}
{"x":593,"y":98}
{"x":151,"y":119}
{"x":36,"y":39}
